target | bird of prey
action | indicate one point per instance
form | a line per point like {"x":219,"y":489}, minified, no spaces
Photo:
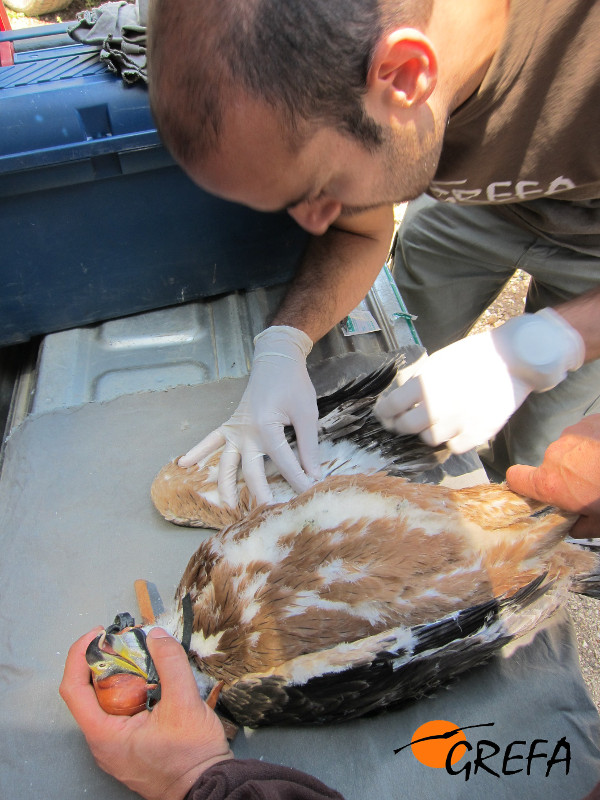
{"x":363,"y":592}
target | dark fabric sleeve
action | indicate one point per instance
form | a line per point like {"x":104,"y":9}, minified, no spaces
{"x":594,"y":794}
{"x":257,"y":780}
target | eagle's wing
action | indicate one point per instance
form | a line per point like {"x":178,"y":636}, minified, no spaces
{"x":351,"y":441}
{"x":382,"y":671}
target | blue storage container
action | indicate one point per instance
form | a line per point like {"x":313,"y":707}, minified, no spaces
{"x":96,"y":219}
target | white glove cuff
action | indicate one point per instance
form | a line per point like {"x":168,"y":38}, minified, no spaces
{"x":574,"y":344}
{"x":539,"y":349}
{"x":278,"y":338}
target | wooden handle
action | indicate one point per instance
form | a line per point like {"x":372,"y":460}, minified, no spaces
{"x":145,"y":604}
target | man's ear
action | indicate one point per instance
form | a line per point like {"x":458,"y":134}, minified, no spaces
{"x":403,"y":72}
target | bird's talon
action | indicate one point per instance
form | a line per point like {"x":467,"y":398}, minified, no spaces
{"x":213,"y":697}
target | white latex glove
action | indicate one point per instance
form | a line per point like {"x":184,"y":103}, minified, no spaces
{"x":464,"y":393}
{"x":279,"y":393}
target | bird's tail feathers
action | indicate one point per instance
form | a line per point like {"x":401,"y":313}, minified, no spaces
{"x":525,"y":611}
{"x":588,"y":583}
{"x":533,"y":546}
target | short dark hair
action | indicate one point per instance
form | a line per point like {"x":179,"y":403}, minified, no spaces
{"x":308,"y":59}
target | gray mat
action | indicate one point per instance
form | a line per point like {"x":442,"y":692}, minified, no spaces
{"x":77,"y":528}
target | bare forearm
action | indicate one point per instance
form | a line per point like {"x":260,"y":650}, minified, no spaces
{"x":583,"y":314}
{"x":338,"y":270}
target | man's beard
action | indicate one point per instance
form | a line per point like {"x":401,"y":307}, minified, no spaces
{"x":408,"y":167}
{"x":411,"y":163}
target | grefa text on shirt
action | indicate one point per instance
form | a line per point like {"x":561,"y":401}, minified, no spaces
{"x":498,"y":191}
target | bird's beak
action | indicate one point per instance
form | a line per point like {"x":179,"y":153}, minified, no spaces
{"x":121,"y":671}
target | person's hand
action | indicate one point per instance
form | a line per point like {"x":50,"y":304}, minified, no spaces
{"x":464,"y":393}
{"x":279,"y":393}
{"x":569,"y":476}
{"x":160,"y":753}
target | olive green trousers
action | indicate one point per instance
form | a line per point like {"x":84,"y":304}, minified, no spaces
{"x":450,"y":264}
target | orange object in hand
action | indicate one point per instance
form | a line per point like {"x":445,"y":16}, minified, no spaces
{"x":123,"y":695}
{"x":121,"y":667}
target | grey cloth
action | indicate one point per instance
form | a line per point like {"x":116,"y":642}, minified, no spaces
{"x":77,"y":528}
{"x":119,"y":29}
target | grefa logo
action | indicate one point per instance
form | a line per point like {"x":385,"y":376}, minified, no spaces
{"x":499,"y":191}
{"x":440,"y":744}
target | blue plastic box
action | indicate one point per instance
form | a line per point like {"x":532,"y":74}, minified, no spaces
{"x":96,"y":220}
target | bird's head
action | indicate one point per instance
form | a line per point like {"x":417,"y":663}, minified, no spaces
{"x":122,"y":669}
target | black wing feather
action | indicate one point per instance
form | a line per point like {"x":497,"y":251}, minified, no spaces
{"x":442,"y":650}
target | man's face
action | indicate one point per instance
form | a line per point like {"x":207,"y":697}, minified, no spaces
{"x":329,"y":175}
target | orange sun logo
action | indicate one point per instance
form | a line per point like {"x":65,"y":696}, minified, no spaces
{"x":432,"y":742}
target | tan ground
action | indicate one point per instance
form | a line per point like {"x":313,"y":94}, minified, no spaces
{"x":18,"y":20}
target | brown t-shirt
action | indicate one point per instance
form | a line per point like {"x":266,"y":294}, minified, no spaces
{"x":529,"y":138}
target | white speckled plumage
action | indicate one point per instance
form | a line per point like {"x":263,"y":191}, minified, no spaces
{"x":367,"y":589}
{"x":363,"y":574}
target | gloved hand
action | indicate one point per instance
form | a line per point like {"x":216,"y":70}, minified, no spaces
{"x":279,"y":393}
{"x":464,"y":393}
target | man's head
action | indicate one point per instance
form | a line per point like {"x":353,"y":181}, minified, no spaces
{"x":308,"y":59}
{"x":296,"y":69}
